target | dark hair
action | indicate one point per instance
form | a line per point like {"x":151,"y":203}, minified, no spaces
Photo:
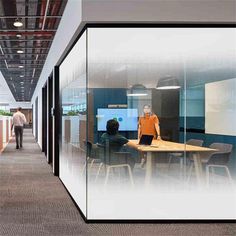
{"x":112,"y":127}
{"x":19,"y":109}
{"x":147,"y":105}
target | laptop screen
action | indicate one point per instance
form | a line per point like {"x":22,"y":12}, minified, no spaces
{"x":146,"y":140}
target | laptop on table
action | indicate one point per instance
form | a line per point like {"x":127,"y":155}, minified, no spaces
{"x":146,"y":139}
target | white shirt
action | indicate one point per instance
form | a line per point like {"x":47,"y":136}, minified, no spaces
{"x":19,"y":119}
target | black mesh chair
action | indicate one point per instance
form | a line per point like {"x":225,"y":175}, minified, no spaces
{"x":112,"y":160}
{"x":219,"y":160}
{"x":194,"y":142}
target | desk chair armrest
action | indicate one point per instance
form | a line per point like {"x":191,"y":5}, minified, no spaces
{"x":219,"y":158}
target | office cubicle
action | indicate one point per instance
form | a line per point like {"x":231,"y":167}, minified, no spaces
{"x":111,"y":73}
{"x":5,"y":131}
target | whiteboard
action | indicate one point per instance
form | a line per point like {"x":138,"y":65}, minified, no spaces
{"x":220,"y":107}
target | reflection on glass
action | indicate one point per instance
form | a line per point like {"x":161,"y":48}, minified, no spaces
{"x":73,"y":123}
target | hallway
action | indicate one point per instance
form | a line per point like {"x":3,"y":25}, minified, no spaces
{"x":34,"y":202}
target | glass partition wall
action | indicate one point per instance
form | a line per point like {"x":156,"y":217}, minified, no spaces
{"x":210,"y":115}
{"x":141,"y":109}
{"x":72,"y":163}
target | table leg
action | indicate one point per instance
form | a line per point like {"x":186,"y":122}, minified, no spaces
{"x":149,"y":168}
{"x":198,"y":169}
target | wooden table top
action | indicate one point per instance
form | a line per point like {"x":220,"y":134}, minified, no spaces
{"x":166,"y":146}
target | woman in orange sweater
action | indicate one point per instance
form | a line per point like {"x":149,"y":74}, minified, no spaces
{"x":148,"y":125}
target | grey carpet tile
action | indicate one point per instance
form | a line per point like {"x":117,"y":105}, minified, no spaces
{"x":33,"y":202}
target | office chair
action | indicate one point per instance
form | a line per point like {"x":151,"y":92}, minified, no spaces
{"x":92,"y":155}
{"x":219,"y":160}
{"x":214,"y":160}
{"x":112,"y":160}
{"x":194,"y":142}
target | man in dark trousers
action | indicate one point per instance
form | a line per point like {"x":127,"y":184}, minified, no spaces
{"x":18,"y":122}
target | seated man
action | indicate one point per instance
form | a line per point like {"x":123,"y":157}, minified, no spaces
{"x":114,"y":143}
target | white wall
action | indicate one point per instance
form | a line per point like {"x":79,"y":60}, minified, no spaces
{"x":6,"y":96}
{"x":79,"y":12}
{"x":25,"y":105}
{"x":69,"y":25}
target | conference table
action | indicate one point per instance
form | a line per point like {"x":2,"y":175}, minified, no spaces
{"x":161,"y":146}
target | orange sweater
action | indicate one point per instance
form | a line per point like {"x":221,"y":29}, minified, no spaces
{"x":147,"y":125}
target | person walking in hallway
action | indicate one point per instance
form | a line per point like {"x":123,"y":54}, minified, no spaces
{"x":18,"y":122}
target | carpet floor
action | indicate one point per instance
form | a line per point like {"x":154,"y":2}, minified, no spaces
{"x":34,"y":202}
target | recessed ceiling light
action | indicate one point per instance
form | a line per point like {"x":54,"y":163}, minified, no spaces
{"x":21,"y":66}
{"x":18,"y":35}
{"x":20,"y":51}
{"x":21,"y":76}
{"x":18,"y":23}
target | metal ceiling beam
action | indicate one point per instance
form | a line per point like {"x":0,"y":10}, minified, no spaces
{"x":26,"y":65}
{"x":25,"y":40}
{"x":8,"y":59}
{"x":18,"y":54}
{"x":28,"y":30}
{"x":19,"y":16}
{"x":36,"y":66}
{"x":29,"y":67}
{"x":23,"y":47}
{"x":33,"y":65}
{"x":12,"y":59}
{"x":28,"y":33}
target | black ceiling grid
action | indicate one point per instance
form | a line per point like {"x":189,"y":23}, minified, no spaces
{"x":40,"y":20}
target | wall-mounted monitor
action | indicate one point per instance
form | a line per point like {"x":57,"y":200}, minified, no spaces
{"x":127,"y":118}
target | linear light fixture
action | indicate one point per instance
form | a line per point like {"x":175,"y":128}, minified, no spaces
{"x":33,"y":73}
{"x":167,"y":82}
{"x":20,"y":51}
{"x":45,"y":15}
{"x":137,"y":90}
{"x":1,"y":50}
{"x":6,"y":64}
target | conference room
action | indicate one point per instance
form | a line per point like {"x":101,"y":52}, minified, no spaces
{"x":186,"y":77}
